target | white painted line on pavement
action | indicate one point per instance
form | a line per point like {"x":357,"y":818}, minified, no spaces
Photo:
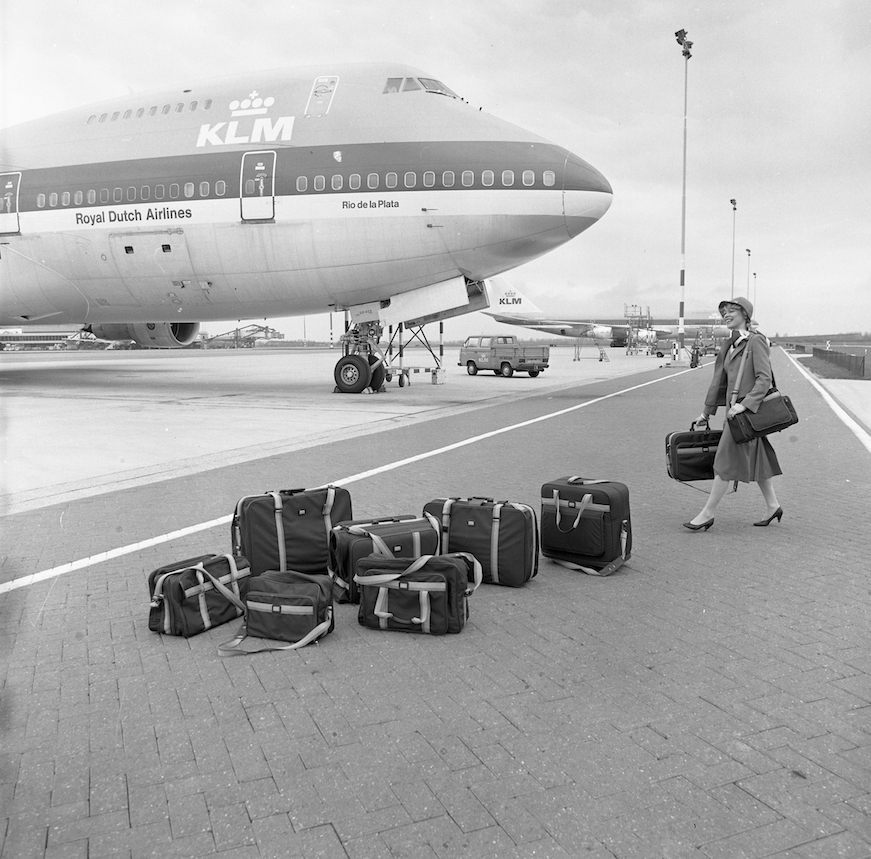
{"x":72,"y":566}
{"x":833,"y":404}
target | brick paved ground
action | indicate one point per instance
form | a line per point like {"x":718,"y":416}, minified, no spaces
{"x":712,"y":699}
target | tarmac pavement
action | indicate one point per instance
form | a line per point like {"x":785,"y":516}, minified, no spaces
{"x":711,"y":699}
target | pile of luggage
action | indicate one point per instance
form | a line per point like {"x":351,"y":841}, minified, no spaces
{"x":297,"y":552}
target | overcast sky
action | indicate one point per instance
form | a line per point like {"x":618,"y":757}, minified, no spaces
{"x":779,"y":118}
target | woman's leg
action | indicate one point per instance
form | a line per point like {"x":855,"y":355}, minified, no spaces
{"x":718,"y":490}
{"x":766,"y":486}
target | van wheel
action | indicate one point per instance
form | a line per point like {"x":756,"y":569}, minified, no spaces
{"x":533,"y":373}
{"x":507,"y":370}
{"x":471,"y":368}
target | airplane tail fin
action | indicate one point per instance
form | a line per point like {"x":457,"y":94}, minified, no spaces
{"x":507,"y":299}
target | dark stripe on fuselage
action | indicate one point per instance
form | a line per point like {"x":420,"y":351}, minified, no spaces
{"x":292,"y":162}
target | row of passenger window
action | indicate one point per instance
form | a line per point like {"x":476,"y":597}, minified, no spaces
{"x":153,"y":111}
{"x":132,"y":194}
{"x":409,"y":180}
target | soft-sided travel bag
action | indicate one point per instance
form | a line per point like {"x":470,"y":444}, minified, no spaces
{"x":289,"y":529}
{"x":427,"y":594}
{"x":585,"y":524}
{"x":690,"y":455}
{"x":283,"y":606}
{"x":502,"y":535}
{"x":196,"y":594}
{"x":403,"y":536}
{"x":775,"y":413}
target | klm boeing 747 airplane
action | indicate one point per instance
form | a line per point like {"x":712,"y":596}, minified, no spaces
{"x":371,"y":189}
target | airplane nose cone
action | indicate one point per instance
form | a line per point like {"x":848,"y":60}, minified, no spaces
{"x":587,"y":195}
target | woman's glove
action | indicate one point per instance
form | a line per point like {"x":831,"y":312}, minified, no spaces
{"x":702,"y":419}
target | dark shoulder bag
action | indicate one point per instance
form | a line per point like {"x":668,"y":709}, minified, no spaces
{"x":775,"y":413}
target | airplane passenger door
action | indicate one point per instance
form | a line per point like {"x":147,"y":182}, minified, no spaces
{"x":258,"y":186}
{"x":9,"y":183}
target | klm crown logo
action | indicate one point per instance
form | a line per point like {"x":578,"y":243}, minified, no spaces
{"x":239,"y":131}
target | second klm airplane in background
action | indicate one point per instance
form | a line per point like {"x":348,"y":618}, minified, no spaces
{"x":509,"y":306}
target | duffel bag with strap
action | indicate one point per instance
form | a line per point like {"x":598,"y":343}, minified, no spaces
{"x":502,"y":535}
{"x":427,"y":594}
{"x":289,"y":529}
{"x":196,"y":594}
{"x":404,"y":536}
{"x":283,"y":606}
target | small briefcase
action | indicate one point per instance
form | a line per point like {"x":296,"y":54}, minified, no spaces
{"x":690,"y":455}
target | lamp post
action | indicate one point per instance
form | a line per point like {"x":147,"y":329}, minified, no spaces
{"x":754,"y":290}
{"x":748,"y":270}
{"x":734,"y":216}
{"x":686,"y":45}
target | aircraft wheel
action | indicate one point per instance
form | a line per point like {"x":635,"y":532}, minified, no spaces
{"x":379,"y":374}
{"x":507,"y":370}
{"x":352,"y":374}
{"x":533,"y":373}
{"x":471,"y":368}
{"x":402,"y":380}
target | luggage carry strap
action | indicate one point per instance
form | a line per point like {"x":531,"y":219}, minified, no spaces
{"x":232,"y":595}
{"x":446,"y":522}
{"x":734,"y":398}
{"x":535,"y":539}
{"x":328,"y":508}
{"x":385,"y":578}
{"x":279,"y":530}
{"x":585,"y":502}
{"x":423,"y":588}
{"x":609,"y":568}
{"x":234,"y":647}
{"x":494,"y":543}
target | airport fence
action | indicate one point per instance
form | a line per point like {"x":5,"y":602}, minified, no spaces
{"x":851,"y":363}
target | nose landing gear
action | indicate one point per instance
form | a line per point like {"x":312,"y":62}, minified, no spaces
{"x":363,"y":364}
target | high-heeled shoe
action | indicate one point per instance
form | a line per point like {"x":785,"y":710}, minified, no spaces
{"x":701,"y":526}
{"x":764,"y":523}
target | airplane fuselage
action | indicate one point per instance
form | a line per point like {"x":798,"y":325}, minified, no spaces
{"x":274,"y":194}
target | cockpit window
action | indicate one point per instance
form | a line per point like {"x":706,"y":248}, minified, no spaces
{"x":431,"y":85}
{"x":415,"y":85}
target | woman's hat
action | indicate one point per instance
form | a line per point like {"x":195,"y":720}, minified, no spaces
{"x":742,"y":302}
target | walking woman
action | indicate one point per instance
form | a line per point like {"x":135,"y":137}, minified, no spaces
{"x":755,"y":461}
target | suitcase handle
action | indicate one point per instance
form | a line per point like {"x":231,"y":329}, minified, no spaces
{"x":700,"y":424}
{"x":584,"y":481}
{"x":289,"y":491}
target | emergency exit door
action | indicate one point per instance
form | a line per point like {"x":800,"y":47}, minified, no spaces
{"x":258,"y":186}
{"x":9,"y":183}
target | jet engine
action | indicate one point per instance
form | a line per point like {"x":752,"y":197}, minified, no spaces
{"x":155,"y":335}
